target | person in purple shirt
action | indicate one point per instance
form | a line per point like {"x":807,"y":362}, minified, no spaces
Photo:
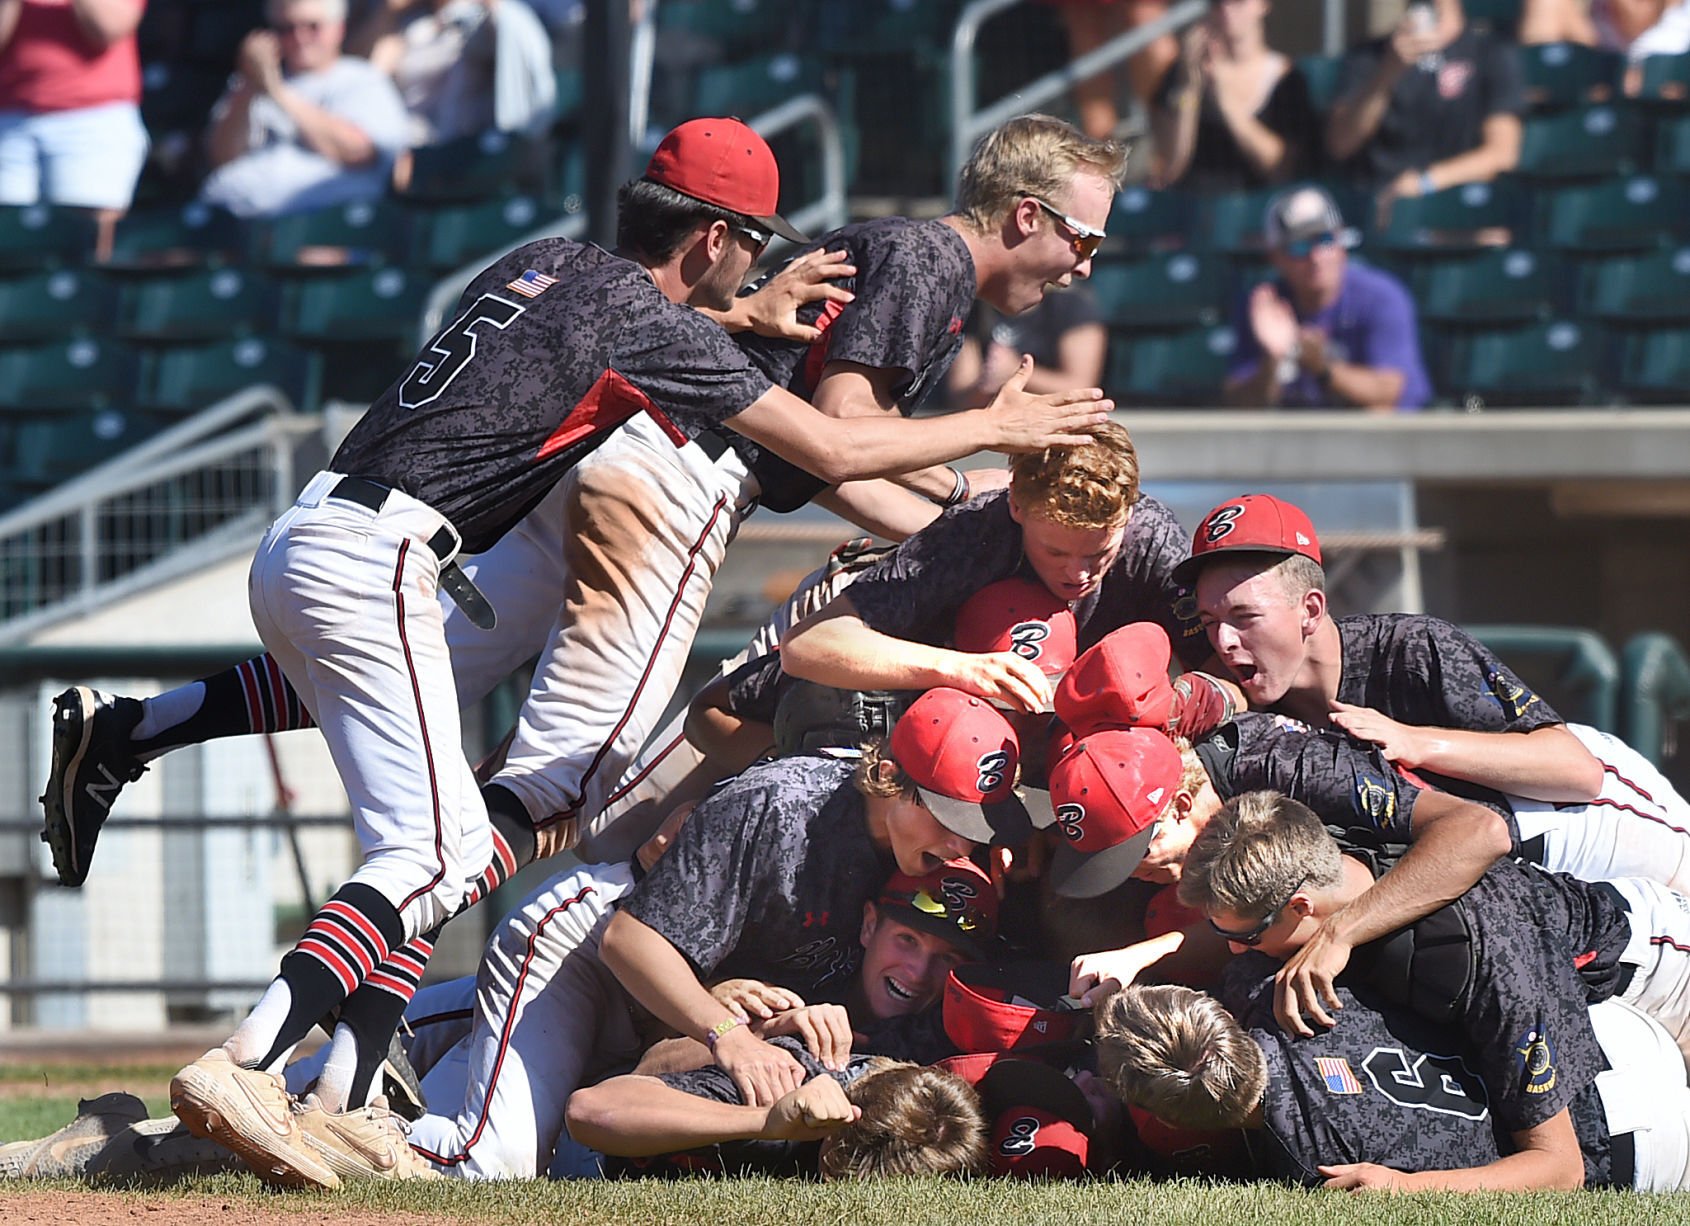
{"x":1326,"y":333}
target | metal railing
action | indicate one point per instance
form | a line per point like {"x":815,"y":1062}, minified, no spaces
{"x":969,"y":124}
{"x":828,"y":211}
{"x":218,"y":477}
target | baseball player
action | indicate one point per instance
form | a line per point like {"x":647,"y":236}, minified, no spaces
{"x":629,"y":563}
{"x":344,"y":585}
{"x":1386,"y":1099}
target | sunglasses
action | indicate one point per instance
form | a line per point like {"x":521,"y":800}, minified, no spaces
{"x":1086,"y":240}
{"x":924,"y":902}
{"x":298,"y":27}
{"x":1254,"y":936}
{"x":760,"y":239}
{"x":1302,"y":248}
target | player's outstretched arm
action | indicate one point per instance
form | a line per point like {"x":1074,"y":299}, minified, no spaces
{"x":1547,"y":1156}
{"x":635,"y":1116}
{"x":1547,"y":763}
{"x":845,"y":450}
{"x":834,"y":646}
{"x":1454,"y":842}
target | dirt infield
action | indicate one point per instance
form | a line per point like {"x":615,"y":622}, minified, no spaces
{"x":99,"y":1208}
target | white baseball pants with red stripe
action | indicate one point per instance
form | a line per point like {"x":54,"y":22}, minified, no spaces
{"x":1638,"y":826}
{"x":549,"y":1017}
{"x":607,"y":578}
{"x":345,"y":599}
{"x":1659,"y":955}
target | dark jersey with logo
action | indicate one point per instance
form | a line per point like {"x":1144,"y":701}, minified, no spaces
{"x":768,"y":877}
{"x":915,"y":591}
{"x":914,"y":286}
{"x":553,"y":346}
{"x":1382,"y":1086}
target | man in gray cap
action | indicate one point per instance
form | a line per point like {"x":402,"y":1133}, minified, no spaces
{"x":1325,"y":333}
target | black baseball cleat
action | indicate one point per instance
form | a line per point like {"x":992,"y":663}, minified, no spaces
{"x":91,"y":763}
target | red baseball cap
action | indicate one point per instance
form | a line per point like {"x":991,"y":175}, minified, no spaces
{"x":1042,"y":1123}
{"x":963,"y":756}
{"x":956,"y":901}
{"x":992,"y":1009}
{"x":1121,"y":681}
{"x":1021,"y":617}
{"x":1108,"y":792}
{"x":1250,"y":523}
{"x":723,"y":162}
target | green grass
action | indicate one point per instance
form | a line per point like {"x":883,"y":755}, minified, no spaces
{"x":748,"y":1202}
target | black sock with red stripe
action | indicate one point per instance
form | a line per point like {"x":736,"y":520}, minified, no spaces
{"x":348,"y":939}
{"x":511,"y":823}
{"x":253,"y":696}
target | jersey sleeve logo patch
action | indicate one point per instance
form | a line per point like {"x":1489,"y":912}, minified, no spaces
{"x":1335,"y":1072}
{"x":1376,"y":803}
{"x":1510,"y":693}
{"x":531,"y":284}
{"x":1537,"y":1060}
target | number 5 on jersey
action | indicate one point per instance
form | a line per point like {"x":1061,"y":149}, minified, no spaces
{"x":453,"y":350}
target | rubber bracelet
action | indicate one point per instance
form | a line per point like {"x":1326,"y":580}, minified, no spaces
{"x":959,"y":492}
{"x":1427,"y":187}
{"x":714,"y":1034}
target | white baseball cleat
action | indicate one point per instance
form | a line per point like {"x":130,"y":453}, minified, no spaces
{"x":362,"y":1143}
{"x":251,"y":1113}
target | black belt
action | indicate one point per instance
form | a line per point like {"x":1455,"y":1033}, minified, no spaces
{"x":443,"y":544}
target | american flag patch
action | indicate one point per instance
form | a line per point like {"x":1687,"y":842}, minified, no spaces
{"x":531,"y":284}
{"x":1335,"y":1072}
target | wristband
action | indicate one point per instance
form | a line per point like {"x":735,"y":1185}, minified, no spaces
{"x":1427,"y":187}
{"x":714,"y":1034}
{"x":959,"y":492}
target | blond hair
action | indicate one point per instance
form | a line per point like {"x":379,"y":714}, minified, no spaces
{"x":1031,"y":155}
{"x":871,"y":780}
{"x":916,"y":1121}
{"x":1257,"y":850}
{"x":1179,"y":1055}
{"x":1091,"y":486}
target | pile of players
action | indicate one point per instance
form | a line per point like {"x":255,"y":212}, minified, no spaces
{"x":894,"y":897}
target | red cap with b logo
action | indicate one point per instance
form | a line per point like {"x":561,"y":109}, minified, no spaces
{"x":963,"y":757}
{"x":723,"y":162}
{"x":1108,"y":792}
{"x":1022,"y":617}
{"x":1250,"y":523}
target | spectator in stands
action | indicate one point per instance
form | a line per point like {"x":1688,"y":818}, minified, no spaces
{"x":1327,"y":333}
{"x":1431,"y":105}
{"x":302,"y":126}
{"x":463,"y":66}
{"x":1090,"y":24}
{"x":1232,"y":113}
{"x":1635,"y":29}
{"x":70,"y":84}
{"x":1064,"y":334}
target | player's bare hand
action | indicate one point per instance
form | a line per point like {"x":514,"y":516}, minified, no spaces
{"x":1091,"y":977}
{"x":554,"y":837}
{"x":1305,"y":983}
{"x":1403,"y":744}
{"x":1001,"y":678}
{"x":773,"y":309}
{"x":810,"y":1112}
{"x":654,"y":847}
{"x":763,"y":1072}
{"x":1273,"y":321}
{"x":825,"y":1029}
{"x":1026,"y":422}
{"x":1363,"y":1176}
{"x":752,"y":1000}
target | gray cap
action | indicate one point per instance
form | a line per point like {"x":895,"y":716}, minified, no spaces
{"x":1303,"y":212}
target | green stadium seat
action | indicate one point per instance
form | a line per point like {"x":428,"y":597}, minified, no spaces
{"x":1178,"y":368}
{"x":50,"y":450}
{"x":1672,"y":145}
{"x":446,"y":236}
{"x":1625,"y":214}
{"x":478,"y":167}
{"x":734,"y":27}
{"x":750,"y":86}
{"x":1586,"y":143}
{"x":83,"y":373}
{"x":1457,"y":218}
{"x":189,"y":377}
{"x":1501,"y":286}
{"x":1322,"y":72}
{"x":54,"y":304}
{"x":196,"y":304}
{"x":364,"y":304}
{"x":1550,"y":363}
{"x":1232,"y":222}
{"x":1654,"y":287}
{"x":41,"y":236}
{"x":1560,"y":75}
{"x":184,"y":235}
{"x":1163,"y":290}
{"x":1666,"y":81}
{"x":179,"y":97}
{"x":364,"y":232}
{"x":1144,"y":220}
{"x":1655,"y":365}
